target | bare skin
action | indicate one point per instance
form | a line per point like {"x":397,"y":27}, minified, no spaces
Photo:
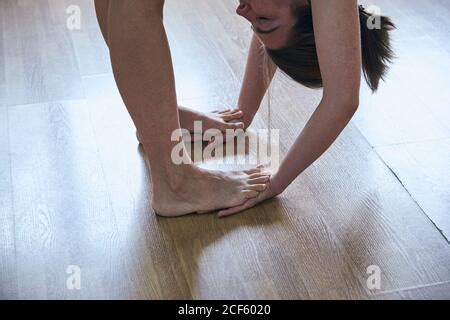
{"x":218,"y":183}
{"x":338,"y":40}
{"x":142,"y":66}
{"x":221,"y":120}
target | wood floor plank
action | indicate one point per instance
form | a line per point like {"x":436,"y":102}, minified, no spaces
{"x":220,"y":271}
{"x":8,"y":274}
{"x":62,"y":211}
{"x":91,"y":52}
{"x":412,"y":104}
{"x":440,"y":291}
{"x":89,"y":47}
{"x":373,"y":194}
{"x":414,"y":100}
{"x":39,"y":63}
{"x":351,"y":170}
{"x":75,"y":188}
{"x":424,"y":170}
{"x":201,"y":68}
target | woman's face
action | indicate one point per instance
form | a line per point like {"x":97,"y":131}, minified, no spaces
{"x":272,"y":20}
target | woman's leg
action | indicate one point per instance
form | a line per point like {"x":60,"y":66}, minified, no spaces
{"x":142,"y":67}
{"x":223,"y":120}
{"x":102,"y":10}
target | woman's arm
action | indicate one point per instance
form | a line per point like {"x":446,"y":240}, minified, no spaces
{"x":337,"y":33}
{"x":258,"y":75}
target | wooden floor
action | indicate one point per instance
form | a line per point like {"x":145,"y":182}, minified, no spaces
{"x":74,"y":188}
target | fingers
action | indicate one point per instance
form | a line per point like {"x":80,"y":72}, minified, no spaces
{"x":250,"y":194}
{"x":257,"y":187}
{"x":229,"y":114}
{"x":232,"y":116}
{"x":259,"y":180}
{"x":251,"y":201}
{"x":231,"y":125}
{"x":259,"y":174}
{"x":228,"y":212}
{"x":258,"y":169}
{"x":226,"y":111}
{"x":252,"y":171}
{"x":237,"y":125}
{"x":231,"y":211}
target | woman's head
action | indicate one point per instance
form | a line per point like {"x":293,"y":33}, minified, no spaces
{"x":285,"y":27}
{"x":272,"y":20}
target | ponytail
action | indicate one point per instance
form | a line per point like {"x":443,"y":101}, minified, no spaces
{"x":300,"y":62}
{"x":377,"y":52}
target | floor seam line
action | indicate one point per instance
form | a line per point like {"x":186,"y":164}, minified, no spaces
{"x":441,"y":231}
{"x":374,"y":149}
{"x":411,"y":288}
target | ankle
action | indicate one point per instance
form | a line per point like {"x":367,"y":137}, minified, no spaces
{"x":174,"y":177}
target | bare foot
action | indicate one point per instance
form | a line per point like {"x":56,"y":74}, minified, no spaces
{"x":200,"y":190}
{"x":220,"y":120}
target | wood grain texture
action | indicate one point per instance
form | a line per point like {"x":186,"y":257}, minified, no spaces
{"x":438,"y":291}
{"x":47,"y":69}
{"x":424,"y":170}
{"x":75,"y":189}
{"x":8,"y":274}
{"x":412,"y":105}
{"x":415,"y":101}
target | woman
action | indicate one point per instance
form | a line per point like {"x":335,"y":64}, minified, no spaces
{"x":317,"y":43}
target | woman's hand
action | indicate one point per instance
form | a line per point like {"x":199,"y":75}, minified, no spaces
{"x":269,"y":193}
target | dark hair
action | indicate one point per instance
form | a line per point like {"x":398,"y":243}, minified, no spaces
{"x":300,"y":62}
